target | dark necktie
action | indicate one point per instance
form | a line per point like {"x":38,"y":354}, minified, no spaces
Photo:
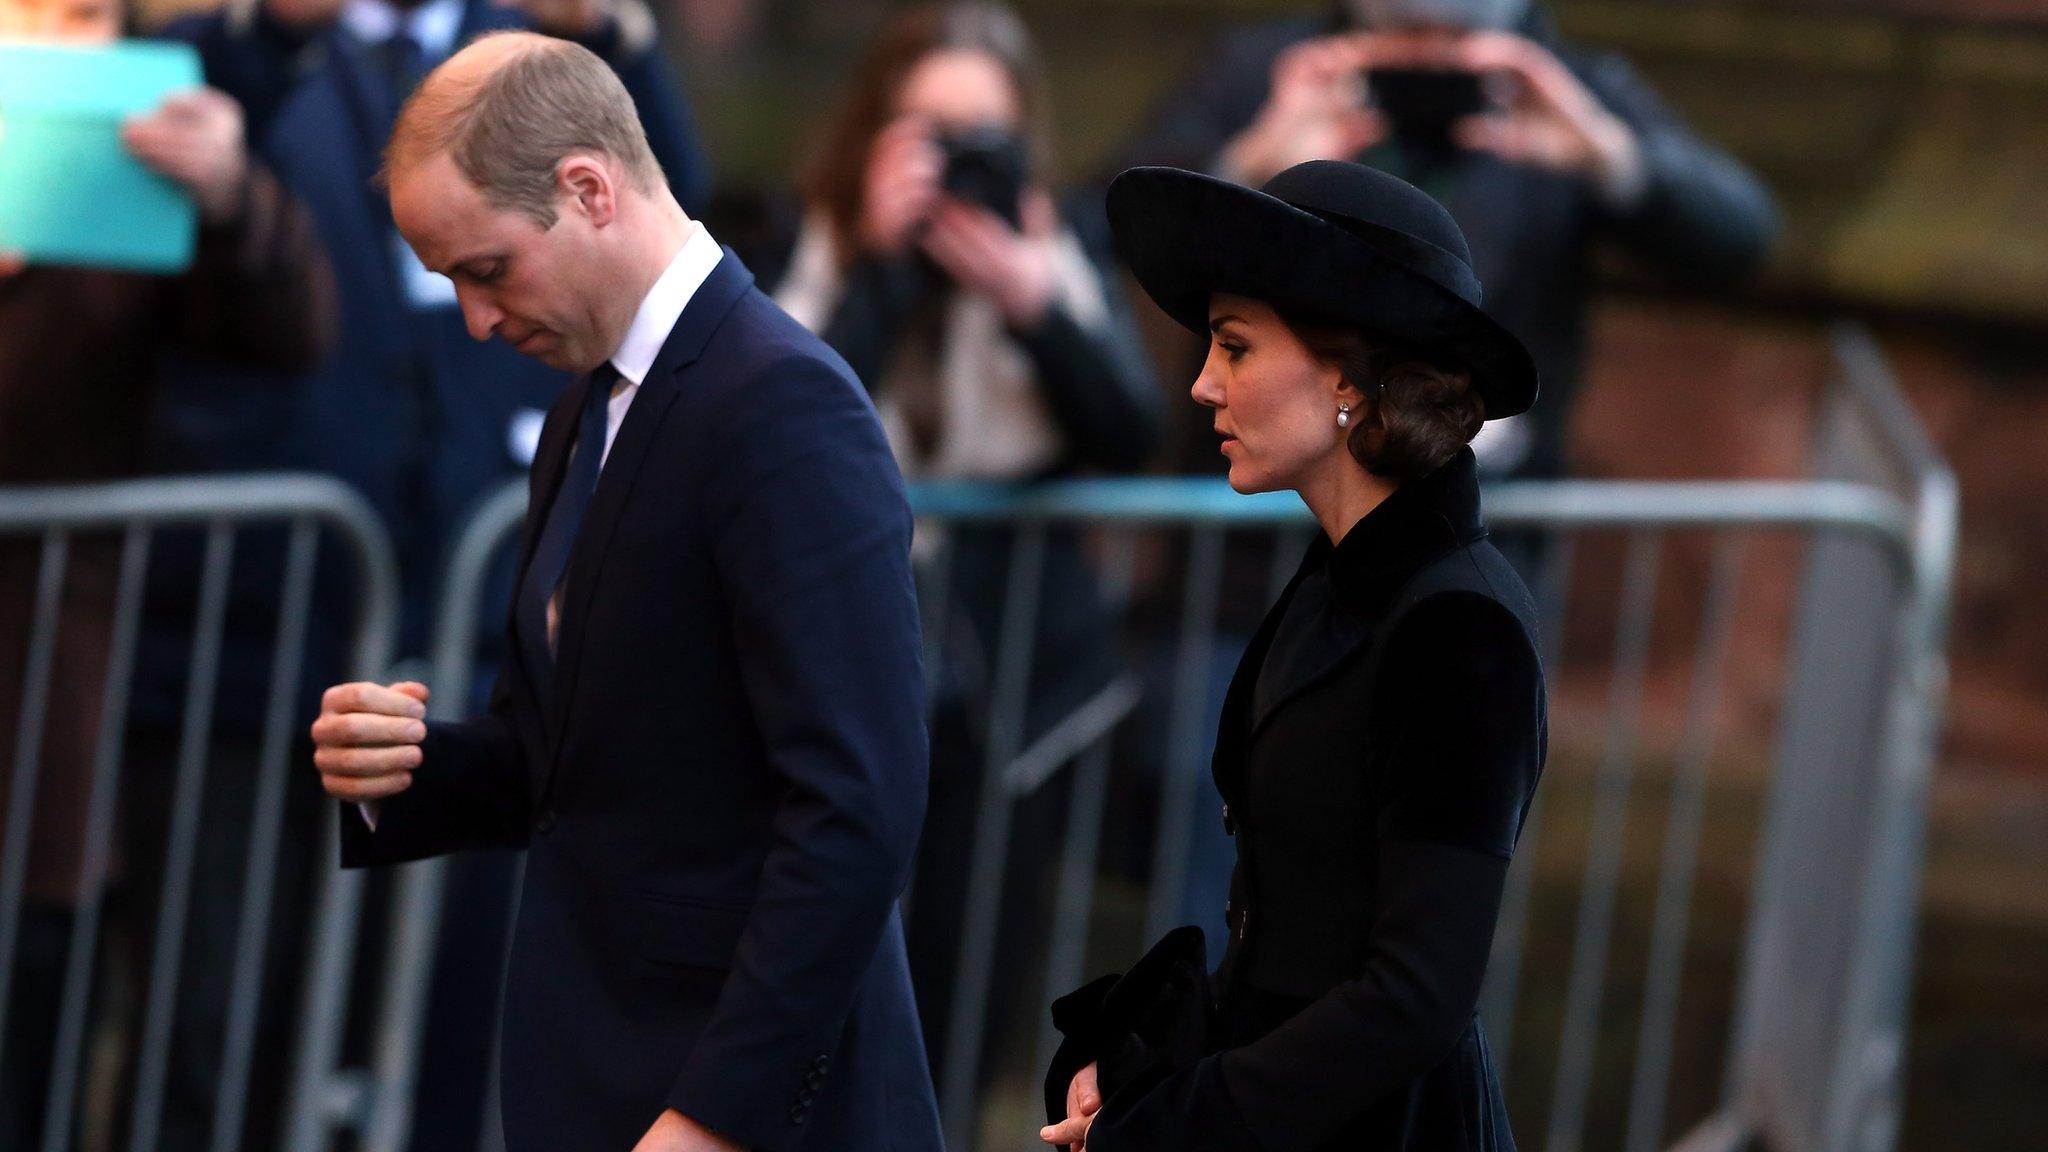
{"x":558,"y":535}
{"x":404,"y":64}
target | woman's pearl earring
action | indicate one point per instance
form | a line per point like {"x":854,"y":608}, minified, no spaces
{"x":1343,"y":415}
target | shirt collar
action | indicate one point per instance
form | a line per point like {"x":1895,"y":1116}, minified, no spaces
{"x":434,"y":24}
{"x":665,"y":302}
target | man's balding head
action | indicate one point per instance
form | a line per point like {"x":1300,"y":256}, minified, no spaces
{"x":509,"y":108}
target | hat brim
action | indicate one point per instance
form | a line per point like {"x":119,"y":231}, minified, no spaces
{"x":1187,"y":236}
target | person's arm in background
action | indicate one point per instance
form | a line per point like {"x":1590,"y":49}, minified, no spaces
{"x":259,"y":291}
{"x":1684,"y":207}
{"x":1698,"y":216}
{"x":1466,"y":754}
{"x":859,"y":301}
{"x":1069,"y":314}
{"x":1193,"y":126}
{"x":810,"y":532}
{"x":880,"y":295}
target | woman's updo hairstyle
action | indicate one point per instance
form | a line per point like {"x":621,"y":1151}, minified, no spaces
{"x":1419,"y":411}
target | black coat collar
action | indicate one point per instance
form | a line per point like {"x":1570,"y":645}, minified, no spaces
{"x":1422,"y":520}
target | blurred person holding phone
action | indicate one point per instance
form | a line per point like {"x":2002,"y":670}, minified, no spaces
{"x":81,"y":350}
{"x":1540,"y":150}
{"x":997,"y":345}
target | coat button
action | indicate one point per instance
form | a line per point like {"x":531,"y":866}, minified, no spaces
{"x":545,"y":822}
{"x":822,"y":1063}
{"x":796,"y":1113}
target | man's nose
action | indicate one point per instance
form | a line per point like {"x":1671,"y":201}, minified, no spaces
{"x":478,"y":314}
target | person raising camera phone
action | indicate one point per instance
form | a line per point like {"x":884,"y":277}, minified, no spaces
{"x":1540,"y":150}
{"x":931,"y":256}
{"x":996,"y":345}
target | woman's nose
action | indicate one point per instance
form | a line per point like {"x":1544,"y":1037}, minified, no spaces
{"x":1206,"y":390}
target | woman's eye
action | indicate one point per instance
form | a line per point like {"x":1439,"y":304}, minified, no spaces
{"x":1234,"y":351}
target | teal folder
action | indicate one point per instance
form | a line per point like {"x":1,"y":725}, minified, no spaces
{"x":69,"y":192}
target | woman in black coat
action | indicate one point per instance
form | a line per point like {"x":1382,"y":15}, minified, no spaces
{"x":1386,"y":729}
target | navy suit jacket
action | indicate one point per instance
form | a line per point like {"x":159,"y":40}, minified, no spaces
{"x":410,"y":410}
{"x":721,"y":794}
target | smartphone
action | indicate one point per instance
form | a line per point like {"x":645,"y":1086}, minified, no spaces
{"x":1422,"y":104}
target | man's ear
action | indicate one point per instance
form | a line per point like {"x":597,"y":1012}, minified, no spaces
{"x":587,"y":184}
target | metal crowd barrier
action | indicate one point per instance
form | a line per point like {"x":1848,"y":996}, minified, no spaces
{"x":311,"y":510}
{"x":1813,"y":1057}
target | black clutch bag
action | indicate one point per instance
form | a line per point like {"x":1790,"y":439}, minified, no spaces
{"x":1139,"y":1027}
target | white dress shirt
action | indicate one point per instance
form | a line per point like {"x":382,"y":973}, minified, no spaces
{"x":659,"y":311}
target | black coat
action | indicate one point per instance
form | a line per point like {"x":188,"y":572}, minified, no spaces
{"x":1378,"y":750}
{"x":1702,"y":219}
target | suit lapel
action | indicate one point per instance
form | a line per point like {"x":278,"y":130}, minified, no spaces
{"x":657,"y":394}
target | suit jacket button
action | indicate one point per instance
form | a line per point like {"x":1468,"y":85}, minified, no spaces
{"x":545,"y":822}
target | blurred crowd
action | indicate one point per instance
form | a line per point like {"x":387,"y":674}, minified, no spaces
{"x":983,"y":308}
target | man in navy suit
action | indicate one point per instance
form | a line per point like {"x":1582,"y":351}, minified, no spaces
{"x":421,"y":420}
{"x":708,"y":729}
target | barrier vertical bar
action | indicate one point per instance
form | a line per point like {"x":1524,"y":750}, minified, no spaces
{"x":1603,"y":858}
{"x":266,"y":827}
{"x":161,"y":1006}
{"x":60,"y":1102}
{"x":28,"y":745}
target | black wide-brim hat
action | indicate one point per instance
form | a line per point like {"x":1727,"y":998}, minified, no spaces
{"x":1327,"y":240}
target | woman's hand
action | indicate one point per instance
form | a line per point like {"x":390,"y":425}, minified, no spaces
{"x":900,"y":187}
{"x":1084,"y":1100}
{"x":194,"y":138}
{"x":984,"y":255}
